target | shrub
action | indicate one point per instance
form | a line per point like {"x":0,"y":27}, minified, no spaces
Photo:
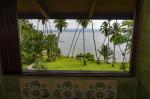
{"x":88,"y":56}
{"x":27,"y":58}
{"x":123,"y":66}
{"x":79,"y":56}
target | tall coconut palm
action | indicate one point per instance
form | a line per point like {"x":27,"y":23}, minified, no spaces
{"x":73,"y":39}
{"x":115,"y":30}
{"x":109,"y":30}
{"x":94,"y":43}
{"x":60,"y":24}
{"x":127,"y":30}
{"x":119,"y":37}
{"x":105,"y":29}
{"x":84,"y":23}
{"x":76,"y":42}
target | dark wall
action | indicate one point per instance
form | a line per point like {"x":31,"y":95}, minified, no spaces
{"x":144,"y":51}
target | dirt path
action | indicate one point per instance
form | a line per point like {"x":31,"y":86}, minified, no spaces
{"x":30,"y":67}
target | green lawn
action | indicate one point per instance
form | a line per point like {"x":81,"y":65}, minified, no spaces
{"x":64,"y":63}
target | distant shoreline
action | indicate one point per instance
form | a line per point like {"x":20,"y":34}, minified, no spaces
{"x":73,"y":30}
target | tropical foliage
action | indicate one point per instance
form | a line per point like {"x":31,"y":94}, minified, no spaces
{"x":35,"y":43}
{"x":38,"y":46}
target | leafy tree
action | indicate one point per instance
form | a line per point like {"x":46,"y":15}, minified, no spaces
{"x":51,"y":47}
{"x":128,"y":31}
{"x":122,"y":34}
{"x":31,"y":42}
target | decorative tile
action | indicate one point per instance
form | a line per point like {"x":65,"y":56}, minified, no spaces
{"x":34,"y":89}
{"x":67,"y":89}
{"x":102,"y":90}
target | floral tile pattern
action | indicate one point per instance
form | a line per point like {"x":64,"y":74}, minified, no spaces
{"x":67,"y":89}
{"x":35,"y":90}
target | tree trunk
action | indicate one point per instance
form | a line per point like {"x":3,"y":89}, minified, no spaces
{"x":122,"y":53}
{"x":95,"y":44}
{"x":76,"y":42}
{"x":58,"y":38}
{"x":84,"y":60}
{"x":50,"y":27}
{"x":73,"y":40}
{"x":124,"y":56}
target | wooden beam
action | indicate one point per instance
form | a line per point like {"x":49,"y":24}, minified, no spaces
{"x":42,"y":8}
{"x":9,"y":38}
{"x":92,"y":7}
{"x":120,"y":16}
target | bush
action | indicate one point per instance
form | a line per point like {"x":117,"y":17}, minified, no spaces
{"x":123,"y":66}
{"x":88,"y":56}
{"x":27,"y":58}
{"x":79,"y":56}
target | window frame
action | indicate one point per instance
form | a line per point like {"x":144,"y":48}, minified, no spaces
{"x":7,"y":70}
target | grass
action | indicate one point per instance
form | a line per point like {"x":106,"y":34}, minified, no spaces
{"x":64,"y":63}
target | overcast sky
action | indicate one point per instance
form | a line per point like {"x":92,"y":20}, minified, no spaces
{"x":72,"y":24}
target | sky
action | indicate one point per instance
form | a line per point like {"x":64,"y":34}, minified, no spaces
{"x":72,"y":24}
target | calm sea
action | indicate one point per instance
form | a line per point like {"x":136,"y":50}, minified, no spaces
{"x":67,"y":36}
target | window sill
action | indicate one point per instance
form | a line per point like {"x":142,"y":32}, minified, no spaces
{"x":63,"y":73}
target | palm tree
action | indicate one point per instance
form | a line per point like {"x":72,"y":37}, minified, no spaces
{"x":106,"y":52}
{"x":73,"y":39}
{"x":60,"y":24}
{"x":119,"y":37}
{"x":105,"y":29}
{"x":95,"y":43}
{"x":127,"y":30}
{"x":115,"y":31}
{"x":76,"y":42}
{"x":84,"y":23}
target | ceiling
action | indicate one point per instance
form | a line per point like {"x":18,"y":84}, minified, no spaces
{"x":122,"y":9}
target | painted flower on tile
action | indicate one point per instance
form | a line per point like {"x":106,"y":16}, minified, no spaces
{"x":100,"y":91}
{"x":67,"y":90}
{"x":67,"y":85}
{"x":77,"y":94}
{"x":100,"y":86}
{"x":90,"y":94}
{"x":109,"y":94}
{"x":58,"y":93}
{"x":35,"y":90}
{"x":100,"y":94}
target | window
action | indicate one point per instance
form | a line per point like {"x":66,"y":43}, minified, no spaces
{"x":44,"y":46}
{"x":81,"y":45}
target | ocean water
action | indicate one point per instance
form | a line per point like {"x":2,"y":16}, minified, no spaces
{"x":67,"y":36}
